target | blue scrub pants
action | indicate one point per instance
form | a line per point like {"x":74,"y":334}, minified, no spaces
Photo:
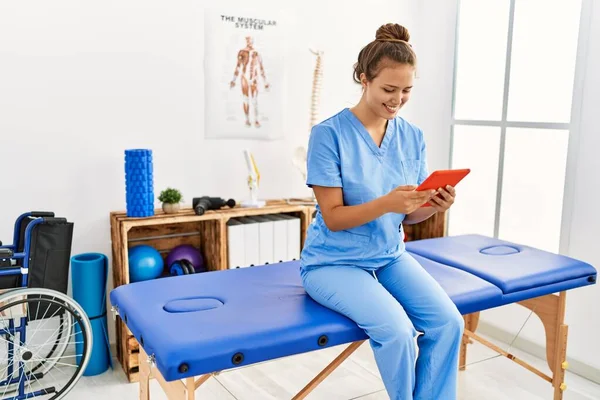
{"x":392,"y":308}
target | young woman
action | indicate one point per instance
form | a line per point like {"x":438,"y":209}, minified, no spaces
{"x":363,"y":165}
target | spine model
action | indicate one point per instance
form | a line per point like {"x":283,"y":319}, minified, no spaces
{"x":316,"y":88}
{"x":299,"y":157}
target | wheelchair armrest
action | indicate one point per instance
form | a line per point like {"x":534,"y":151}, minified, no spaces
{"x":57,"y":220}
{"x":6,"y":253}
{"x":36,"y":214}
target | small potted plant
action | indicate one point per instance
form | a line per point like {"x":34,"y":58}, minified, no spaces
{"x":170,"y":199}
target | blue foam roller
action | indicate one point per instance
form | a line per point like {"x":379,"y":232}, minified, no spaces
{"x":139,"y":183}
{"x":89,"y":276}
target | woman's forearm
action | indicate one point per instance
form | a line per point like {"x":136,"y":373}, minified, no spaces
{"x":347,"y":217}
{"x":419,"y":215}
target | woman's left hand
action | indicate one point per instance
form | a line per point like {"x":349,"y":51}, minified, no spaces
{"x":443,"y":199}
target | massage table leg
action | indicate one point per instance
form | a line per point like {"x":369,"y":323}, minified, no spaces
{"x":551,"y":311}
{"x":144,"y":375}
{"x":328,"y":370}
{"x":176,"y":390}
{"x":471,"y":321}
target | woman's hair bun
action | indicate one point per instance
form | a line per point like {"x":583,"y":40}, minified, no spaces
{"x":391,"y":44}
{"x":392,"y":32}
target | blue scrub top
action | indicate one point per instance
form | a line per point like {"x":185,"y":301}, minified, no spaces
{"x":341,"y":153}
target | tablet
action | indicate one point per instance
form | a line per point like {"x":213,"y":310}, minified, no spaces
{"x":441,"y":178}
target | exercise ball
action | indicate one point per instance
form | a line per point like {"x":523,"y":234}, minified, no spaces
{"x":187,"y":252}
{"x":145,"y":262}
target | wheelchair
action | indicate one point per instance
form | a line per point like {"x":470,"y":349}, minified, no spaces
{"x":45,"y":336}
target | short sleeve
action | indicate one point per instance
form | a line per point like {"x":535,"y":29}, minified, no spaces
{"x":423,"y":168}
{"x":323,"y":158}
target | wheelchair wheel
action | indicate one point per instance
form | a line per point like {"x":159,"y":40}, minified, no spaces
{"x":60,"y":344}
{"x":45,"y":344}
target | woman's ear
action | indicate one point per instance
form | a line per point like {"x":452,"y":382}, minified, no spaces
{"x":363,"y":80}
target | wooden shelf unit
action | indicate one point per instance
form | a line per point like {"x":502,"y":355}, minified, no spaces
{"x":208,"y":233}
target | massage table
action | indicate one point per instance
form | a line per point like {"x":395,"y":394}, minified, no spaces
{"x":198,"y":325}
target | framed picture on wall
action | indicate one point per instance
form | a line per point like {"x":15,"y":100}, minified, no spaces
{"x":243,"y":74}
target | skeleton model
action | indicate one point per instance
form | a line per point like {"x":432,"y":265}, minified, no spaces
{"x":249,"y":61}
{"x":300,"y":152}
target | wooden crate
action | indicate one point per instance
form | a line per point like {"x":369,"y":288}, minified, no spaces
{"x":128,"y":351}
{"x":208,"y":233}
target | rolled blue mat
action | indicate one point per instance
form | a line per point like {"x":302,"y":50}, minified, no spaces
{"x":89,"y":276}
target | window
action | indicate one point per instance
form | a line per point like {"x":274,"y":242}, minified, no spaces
{"x":513,"y":89}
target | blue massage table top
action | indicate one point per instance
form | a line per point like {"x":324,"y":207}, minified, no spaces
{"x":509,"y":266}
{"x":212,"y":321}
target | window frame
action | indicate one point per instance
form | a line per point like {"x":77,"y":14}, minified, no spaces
{"x":573,"y":126}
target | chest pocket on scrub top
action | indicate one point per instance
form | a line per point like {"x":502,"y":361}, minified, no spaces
{"x":411,"y":168}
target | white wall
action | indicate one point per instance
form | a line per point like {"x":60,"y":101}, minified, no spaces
{"x":433,"y":113}
{"x":584,"y":237}
{"x":80,"y":82}
{"x":433,"y":98}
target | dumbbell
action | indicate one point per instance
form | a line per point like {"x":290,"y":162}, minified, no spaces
{"x":181,"y":267}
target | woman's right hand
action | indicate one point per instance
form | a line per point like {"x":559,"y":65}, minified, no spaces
{"x":405,"y":199}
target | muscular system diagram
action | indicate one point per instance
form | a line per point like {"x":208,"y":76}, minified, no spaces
{"x":249,"y":61}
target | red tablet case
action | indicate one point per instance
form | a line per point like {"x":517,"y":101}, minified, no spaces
{"x":441,"y":178}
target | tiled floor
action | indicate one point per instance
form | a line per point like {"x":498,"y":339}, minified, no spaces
{"x":357,"y":378}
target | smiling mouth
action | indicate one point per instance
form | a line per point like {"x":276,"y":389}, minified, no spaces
{"x":391,"y":109}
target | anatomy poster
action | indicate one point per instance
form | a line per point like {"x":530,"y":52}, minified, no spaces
{"x":243,"y":60}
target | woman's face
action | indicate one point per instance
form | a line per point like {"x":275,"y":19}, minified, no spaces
{"x":389,"y":90}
